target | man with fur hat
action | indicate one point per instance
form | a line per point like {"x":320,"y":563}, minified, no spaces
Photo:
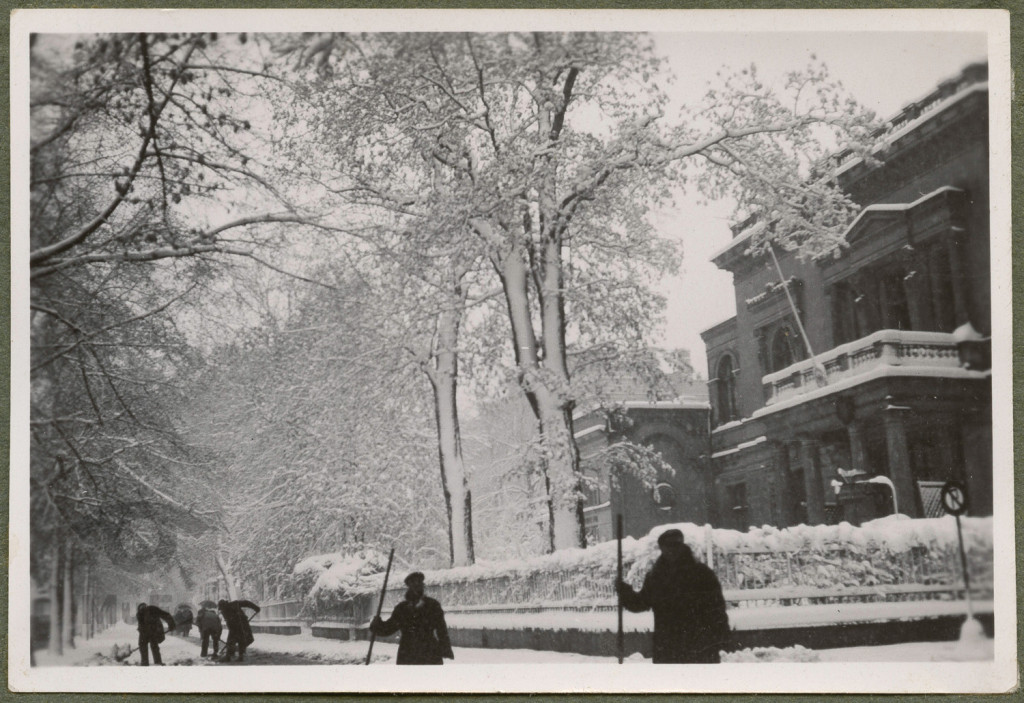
{"x":424,"y":638}
{"x":690,"y":623}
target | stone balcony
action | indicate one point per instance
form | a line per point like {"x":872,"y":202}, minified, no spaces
{"x":882,"y":353}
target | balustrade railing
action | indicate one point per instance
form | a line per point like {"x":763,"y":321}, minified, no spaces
{"x":885,"y":348}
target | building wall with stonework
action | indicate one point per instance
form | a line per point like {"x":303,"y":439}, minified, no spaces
{"x":678,"y":432}
{"x":897,"y":398}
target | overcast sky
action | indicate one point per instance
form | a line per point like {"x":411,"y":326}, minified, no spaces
{"x":883,"y":70}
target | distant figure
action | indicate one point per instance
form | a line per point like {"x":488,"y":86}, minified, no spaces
{"x":151,"y":633}
{"x":208,"y":622}
{"x":690,"y":623}
{"x":239,"y":632}
{"x":184,"y":620}
{"x":421,"y":620}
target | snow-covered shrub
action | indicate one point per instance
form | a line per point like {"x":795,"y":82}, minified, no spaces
{"x":330,"y":581}
{"x":880,"y":552}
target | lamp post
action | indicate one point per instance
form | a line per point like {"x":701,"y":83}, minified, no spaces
{"x":885,"y":480}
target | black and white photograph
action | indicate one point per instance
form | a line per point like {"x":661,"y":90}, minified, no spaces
{"x":591,"y":351}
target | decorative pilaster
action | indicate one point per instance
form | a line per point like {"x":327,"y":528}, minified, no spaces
{"x":858,"y":453}
{"x":899,"y":461}
{"x":812,"y":482}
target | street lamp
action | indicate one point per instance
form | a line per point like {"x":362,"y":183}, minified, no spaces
{"x":885,"y":480}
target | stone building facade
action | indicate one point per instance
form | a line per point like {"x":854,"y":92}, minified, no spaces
{"x":889,"y":394}
{"x":668,"y":414}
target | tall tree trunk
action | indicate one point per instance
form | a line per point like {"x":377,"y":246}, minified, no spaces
{"x":85,"y":607}
{"x":560,"y":400}
{"x":557,"y":402}
{"x":67,"y":618}
{"x":225,"y":571}
{"x":56,"y":644}
{"x":512,"y":271}
{"x":443,"y":374}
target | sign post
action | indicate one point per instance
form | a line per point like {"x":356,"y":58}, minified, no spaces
{"x":954,"y":502}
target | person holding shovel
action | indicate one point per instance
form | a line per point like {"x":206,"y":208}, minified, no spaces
{"x":690,"y":622}
{"x":151,"y":633}
{"x":209,"y":627}
{"x":239,"y":632}
{"x":421,"y":620}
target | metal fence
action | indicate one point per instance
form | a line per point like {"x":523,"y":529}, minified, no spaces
{"x":749,"y":578}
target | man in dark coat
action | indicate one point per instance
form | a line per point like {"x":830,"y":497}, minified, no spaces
{"x":239,"y":632}
{"x":151,"y":632}
{"x":209,"y":625}
{"x":424,"y":638}
{"x":690,"y":623}
{"x":183,"y":619}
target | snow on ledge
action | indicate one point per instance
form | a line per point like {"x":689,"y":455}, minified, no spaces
{"x":872,"y":375}
{"x":740,"y":447}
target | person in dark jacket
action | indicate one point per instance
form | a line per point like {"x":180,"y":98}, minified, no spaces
{"x":424,"y":638}
{"x":690,"y":622}
{"x":239,"y":632}
{"x":210,"y":628}
{"x":183,"y":619}
{"x":151,"y":632}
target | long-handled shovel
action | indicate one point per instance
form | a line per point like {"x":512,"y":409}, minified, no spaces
{"x":121,"y":656}
{"x":380,"y":604}
{"x":621,"y":640}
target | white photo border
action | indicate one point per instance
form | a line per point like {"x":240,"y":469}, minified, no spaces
{"x":999,"y":675}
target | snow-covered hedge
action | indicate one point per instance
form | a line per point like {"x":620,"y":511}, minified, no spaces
{"x":329,"y":581}
{"x":893,"y":550}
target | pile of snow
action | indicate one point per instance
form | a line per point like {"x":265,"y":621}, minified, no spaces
{"x":771,"y":654}
{"x":120,"y":638}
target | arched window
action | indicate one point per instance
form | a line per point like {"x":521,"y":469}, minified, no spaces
{"x":726,"y":391}
{"x":786,"y":348}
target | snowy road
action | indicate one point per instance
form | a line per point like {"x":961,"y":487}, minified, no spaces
{"x":276,"y":650}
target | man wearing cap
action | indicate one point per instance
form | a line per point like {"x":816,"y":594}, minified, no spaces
{"x":424,"y":638}
{"x":690,"y":623}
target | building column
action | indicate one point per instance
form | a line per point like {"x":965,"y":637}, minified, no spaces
{"x":945,"y":438}
{"x":899,"y":462}
{"x":858,"y":454}
{"x":812,"y":482}
{"x":780,"y":459}
{"x":976,"y":440}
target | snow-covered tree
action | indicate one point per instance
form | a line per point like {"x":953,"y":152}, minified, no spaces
{"x":141,"y":171}
{"x":317,"y":441}
{"x":554,"y":147}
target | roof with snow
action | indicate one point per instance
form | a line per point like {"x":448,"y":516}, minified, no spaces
{"x":972,"y":79}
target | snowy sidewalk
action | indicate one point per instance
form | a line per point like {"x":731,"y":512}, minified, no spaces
{"x":185,"y":652}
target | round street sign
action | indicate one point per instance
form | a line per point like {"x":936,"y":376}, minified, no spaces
{"x":954,"y":498}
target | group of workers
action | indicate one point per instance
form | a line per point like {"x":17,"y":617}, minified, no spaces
{"x":690,"y":622}
{"x":150,"y":619}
